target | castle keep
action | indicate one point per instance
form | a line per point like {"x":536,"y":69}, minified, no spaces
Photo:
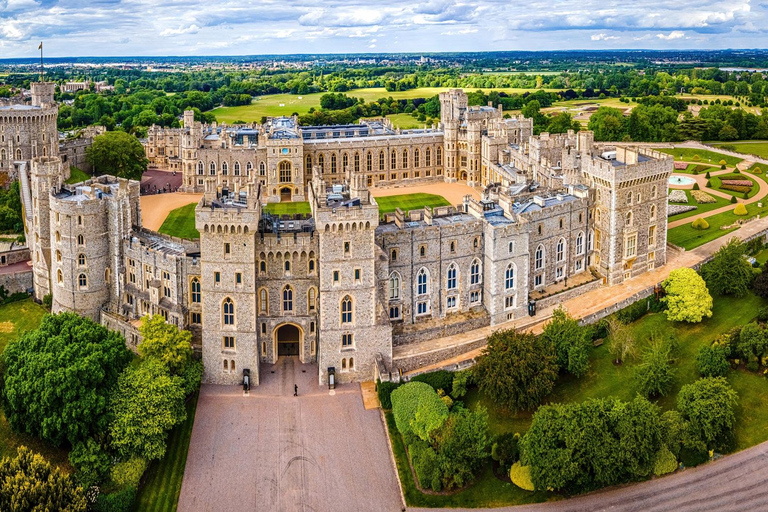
{"x":342,"y":285}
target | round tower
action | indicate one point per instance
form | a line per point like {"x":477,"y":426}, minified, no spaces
{"x":45,"y":178}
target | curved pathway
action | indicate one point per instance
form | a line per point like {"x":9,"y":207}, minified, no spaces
{"x":734,"y":483}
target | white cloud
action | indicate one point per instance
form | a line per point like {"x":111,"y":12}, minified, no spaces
{"x":192,"y":29}
{"x":675,"y":34}
{"x":603,"y":37}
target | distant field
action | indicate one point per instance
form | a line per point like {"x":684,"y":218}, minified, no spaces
{"x":748,"y":148}
{"x":287,"y":208}
{"x":705,"y":157}
{"x":408,"y":202}
{"x":270,"y":105}
{"x":405,"y":121}
{"x":181,"y":223}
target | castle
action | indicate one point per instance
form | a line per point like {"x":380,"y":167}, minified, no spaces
{"x":342,"y":285}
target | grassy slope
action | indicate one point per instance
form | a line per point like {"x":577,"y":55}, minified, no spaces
{"x":687,"y":154}
{"x":287,"y":208}
{"x":701,"y":208}
{"x":606,"y":379}
{"x":748,"y":148}
{"x":16,"y":318}
{"x":408,"y":202}
{"x":162,"y":482}
{"x":77,"y":176}
{"x":181,"y":223}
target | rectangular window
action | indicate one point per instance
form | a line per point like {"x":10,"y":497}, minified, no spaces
{"x":421,"y":308}
{"x":217,"y":277}
{"x":346,"y":340}
{"x":511,"y":247}
{"x":579,"y":265}
{"x":538,"y":280}
{"x":238,"y":278}
{"x":559,"y":273}
{"x":263,"y":328}
{"x":474,"y":297}
{"x":335,"y":276}
{"x":652,"y":236}
{"x":195,"y":318}
{"x":357,"y":274}
{"x":227,"y":248}
{"x":450,"y":303}
{"x":346,"y":247}
{"x":229,"y":342}
{"x":509,"y":302}
{"x":630,"y":247}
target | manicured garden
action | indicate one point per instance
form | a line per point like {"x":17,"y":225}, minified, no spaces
{"x":407,"y":202}
{"x":735,"y":185}
{"x":675,"y":354}
{"x":719,"y":202}
{"x":181,"y":223}
{"x":288,"y":208}
{"x":700,"y":156}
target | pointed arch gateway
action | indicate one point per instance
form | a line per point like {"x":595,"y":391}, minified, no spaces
{"x":289,"y":340}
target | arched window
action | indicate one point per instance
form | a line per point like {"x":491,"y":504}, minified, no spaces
{"x":248,"y":168}
{"x":509,"y":277}
{"x":80,"y":240}
{"x":237,"y":168}
{"x":58,"y":255}
{"x":369,"y":162}
{"x":57,"y":235}
{"x":344,"y":161}
{"x":2,"y":154}
{"x":81,"y":260}
{"x":452,"y":281}
{"x":422,"y":282}
{"x":654,"y":191}
{"x":107,"y":274}
{"x":213,"y":168}
{"x":59,"y":277}
{"x":311,"y":266}
{"x":428,"y":157}
{"x":590,"y":240}
{"x":262,"y":169}
{"x":82,"y":281}
{"x":195,"y":290}
{"x":344,"y":364}
{"x":200,"y":167}
{"x":416,"y":158}
{"x":232,"y":365}
{"x":263,"y":266}
{"x":394,"y":286}
{"x":263,"y":300}
{"x":539,"y":258}
{"x":393,"y":160}
{"x":285,"y":171}
{"x":226,"y":365}
{"x":287,"y":298}
{"x":653,"y":212}
{"x":18,"y":153}
{"x":224,"y":168}
{"x":381,"y":160}
{"x":228,"y":311}
{"x":287,"y":266}
{"x":439,"y":155}
{"x":629,"y":218}
{"x":346,"y":310}
{"x":474,"y":272}
{"x":308,"y":164}
{"x":321,"y":163}
{"x":580,"y":243}
{"x":629,"y":197}
{"x":311,"y":296}
{"x":404,"y":163}
{"x":333,"y":163}
{"x":357,"y":162}
{"x":560,"y":255}
{"x":351,"y":363}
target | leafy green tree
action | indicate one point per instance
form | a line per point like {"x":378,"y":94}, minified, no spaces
{"x":117,"y":153}
{"x":570,"y":343}
{"x":674,"y":431}
{"x":165,"y":342}
{"x":463,"y":446}
{"x":687,"y":298}
{"x":728,"y":273}
{"x":655,"y":374}
{"x":711,"y":361}
{"x":408,"y":400}
{"x":516,"y":370}
{"x":91,"y":461}
{"x":608,"y":124}
{"x":562,"y":122}
{"x":753,"y":341}
{"x":760,"y":285}
{"x":58,"y":378}
{"x":28,"y":483}
{"x":709,"y":407}
{"x":622,"y":342}
{"x":430,"y":415}
{"x":147,"y":404}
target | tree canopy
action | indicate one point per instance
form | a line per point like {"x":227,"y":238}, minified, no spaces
{"x":709,"y":407}
{"x":728,"y":273}
{"x":687,"y":299}
{"x":119,"y":154}
{"x":570,"y":342}
{"x":58,"y":378}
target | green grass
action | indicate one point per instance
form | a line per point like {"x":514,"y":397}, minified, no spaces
{"x":405,"y":121}
{"x":181,"y":223}
{"x":716,"y":183}
{"x":287,"y":208}
{"x":692,"y":167}
{"x":77,"y":175}
{"x":16,"y":318}
{"x":707,"y":157}
{"x":162,"y":482}
{"x":603,"y":380}
{"x":701,"y":208}
{"x":748,"y":148}
{"x":408,"y":202}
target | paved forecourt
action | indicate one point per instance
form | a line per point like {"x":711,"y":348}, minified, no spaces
{"x":271,"y":451}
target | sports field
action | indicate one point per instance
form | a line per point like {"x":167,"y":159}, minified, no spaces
{"x":408,"y":202}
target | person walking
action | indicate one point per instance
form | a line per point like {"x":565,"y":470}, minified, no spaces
{"x":295,"y":390}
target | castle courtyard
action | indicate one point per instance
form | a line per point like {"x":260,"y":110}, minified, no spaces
{"x":272,"y":451}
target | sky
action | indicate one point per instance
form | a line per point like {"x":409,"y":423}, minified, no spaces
{"x":250,"y":27}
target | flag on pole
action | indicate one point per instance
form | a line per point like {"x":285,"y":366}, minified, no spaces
{"x":41,"y":46}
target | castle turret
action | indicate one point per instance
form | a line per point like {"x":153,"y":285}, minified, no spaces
{"x":42,"y":93}
{"x":45,"y":178}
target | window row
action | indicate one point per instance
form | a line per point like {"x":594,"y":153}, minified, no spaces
{"x":395,"y":158}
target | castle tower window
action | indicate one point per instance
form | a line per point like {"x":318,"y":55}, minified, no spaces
{"x":263,"y":301}
{"x":474,"y":272}
{"x":79,"y":220}
{"x":351,"y":363}
{"x":195,"y":298}
{"x":262,"y":169}
{"x":346,"y":341}
{"x":82,"y":281}
{"x":453,"y":246}
{"x":590,"y":240}
{"x":405,"y":159}
{"x":539,"y":258}
{"x":237,"y":168}
{"x":629,"y":218}
{"x":321,"y":163}
{"x":308,"y":164}
{"x":394,"y":286}
{"x":652,"y":236}
{"x":45,"y":150}
{"x":248,"y":167}
{"x":439,"y":153}
{"x":224,"y":168}
{"x":80,"y":240}
{"x":653,"y":192}
{"x":344,"y":162}
{"x":232,"y":365}
{"x":263,"y":266}
{"x":18,"y":153}
{"x":369,"y":162}
{"x":630,"y":247}
{"x":200,"y":167}
{"x":311,"y":297}
{"x":2,"y":154}
{"x":343,"y":361}
{"x":428,"y":157}
{"x":452,"y":281}
{"x":228,"y":312}
{"x":653,"y":212}
{"x":394,"y":255}
{"x":311,"y":266}
{"x":58,"y":256}
{"x":285,"y":171}
{"x":560,"y":254}
{"x":629,"y":197}
{"x":333,"y":163}
{"x":422,"y":250}
{"x":57,"y":236}
{"x":394,"y":312}
{"x":509,"y":277}
{"x":416,"y":158}
{"x":393,"y":160}
{"x":213,"y":168}
{"x":357,"y":162}
{"x":81,"y":260}
{"x":381,"y":160}
{"x":59,"y":277}
{"x":422,"y":282}
{"x":226,"y":366}
{"x":287,"y":299}
{"x":346,"y":310}
{"x":287,"y":266}
{"x":580,"y":243}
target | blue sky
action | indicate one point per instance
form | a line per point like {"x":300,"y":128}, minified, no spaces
{"x":239,"y":27}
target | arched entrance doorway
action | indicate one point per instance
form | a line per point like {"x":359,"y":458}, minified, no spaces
{"x":285,"y":194}
{"x":288,"y":338}
{"x":463,"y":175}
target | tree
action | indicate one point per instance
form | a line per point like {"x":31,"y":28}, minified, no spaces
{"x":28,"y":483}
{"x":462,"y":446}
{"x":562,"y":122}
{"x":711,"y":361}
{"x":709,"y":407}
{"x":687,"y":298}
{"x":571,"y":346}
{"x":119,"y":154}
{"x":728,"y":273}
{"x":753,"y":341}
{"x":760,"y":285}
{"x":516,"y":370}
{"x":91,"y":461}
{"x":418,"y":410}
{"x":622,"y":343}
{"x":58,"y":378}
{"x":147,"y":404}
{"x":654,"y":374}
{"x":608,"y":124}
{"x":166,"y":343}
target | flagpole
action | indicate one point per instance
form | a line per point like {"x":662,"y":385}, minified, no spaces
{"x":42,"y":71}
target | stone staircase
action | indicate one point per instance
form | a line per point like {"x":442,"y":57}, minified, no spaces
{"x":26,"y":193}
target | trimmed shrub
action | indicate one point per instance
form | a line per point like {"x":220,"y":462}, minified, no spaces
{"x":709,"y":184}
{"x":695,"y":186}
{"x":409,"y":399}
{"x":707,"y":176}
{"x":733,"y":200}
{"x":665,"y":462}
{"x":120,"y":501}
{"x":384,"y":390}
{"x":700,"y":224}
{"x":746,"y":195}
{"x":722,"y":162}
{"x":128,"y":473}
{"x":633,"y":312}
{"x":521,"y":477}
{"x":440,"y":379}
{"x":757,"y":170}
{"x":426,"y":465}
{"x":740,"y":210}
{"x":711,"y":361}
{"x":696,"y":158}
{"x":735,"y":171}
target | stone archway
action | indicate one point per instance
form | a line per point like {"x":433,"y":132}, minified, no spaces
{"x":285,"y":194}
{"x":463,"y":175}
{"x":288,"y":338}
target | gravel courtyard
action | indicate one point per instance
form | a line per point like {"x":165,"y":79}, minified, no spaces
{"x":272,"y":451}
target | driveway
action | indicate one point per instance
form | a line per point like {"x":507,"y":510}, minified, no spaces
{"x":272,"y":451}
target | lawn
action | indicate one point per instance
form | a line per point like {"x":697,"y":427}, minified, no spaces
{"x":406,"y":121}
{"x":287,"y":208}
{"x":748,"y":148}
{"x":689,"y":238}
{"x":16,"y":318}
{"x":408,"y":202}
{"x":701,"y":208}
{"x":162,"y":482}
{"x":77,"y":176}
{"x":707,"y":157}
{"x":703,"y":168}
{"x":715,"y":183}
{"x":606,"y":379}
{"x":181,"y":223}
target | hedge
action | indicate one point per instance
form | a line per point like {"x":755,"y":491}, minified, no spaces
{"x":120,"y":501}
{"x":665,"y":462}
{"x":633,"y":312}
{"x":405,"y":403}
{"x":440,"y":379}
{"x":521,"y":476}
{"x":425,"y":464}
{"x":384,"y":390}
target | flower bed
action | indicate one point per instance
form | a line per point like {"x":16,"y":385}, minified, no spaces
{"x":681,"y":166}
{"x":677,"y":209}
{"x":736,"y":188}
{"x":678,"y":196}
{"x":737,"y":183}
{"x":702,"y":197}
